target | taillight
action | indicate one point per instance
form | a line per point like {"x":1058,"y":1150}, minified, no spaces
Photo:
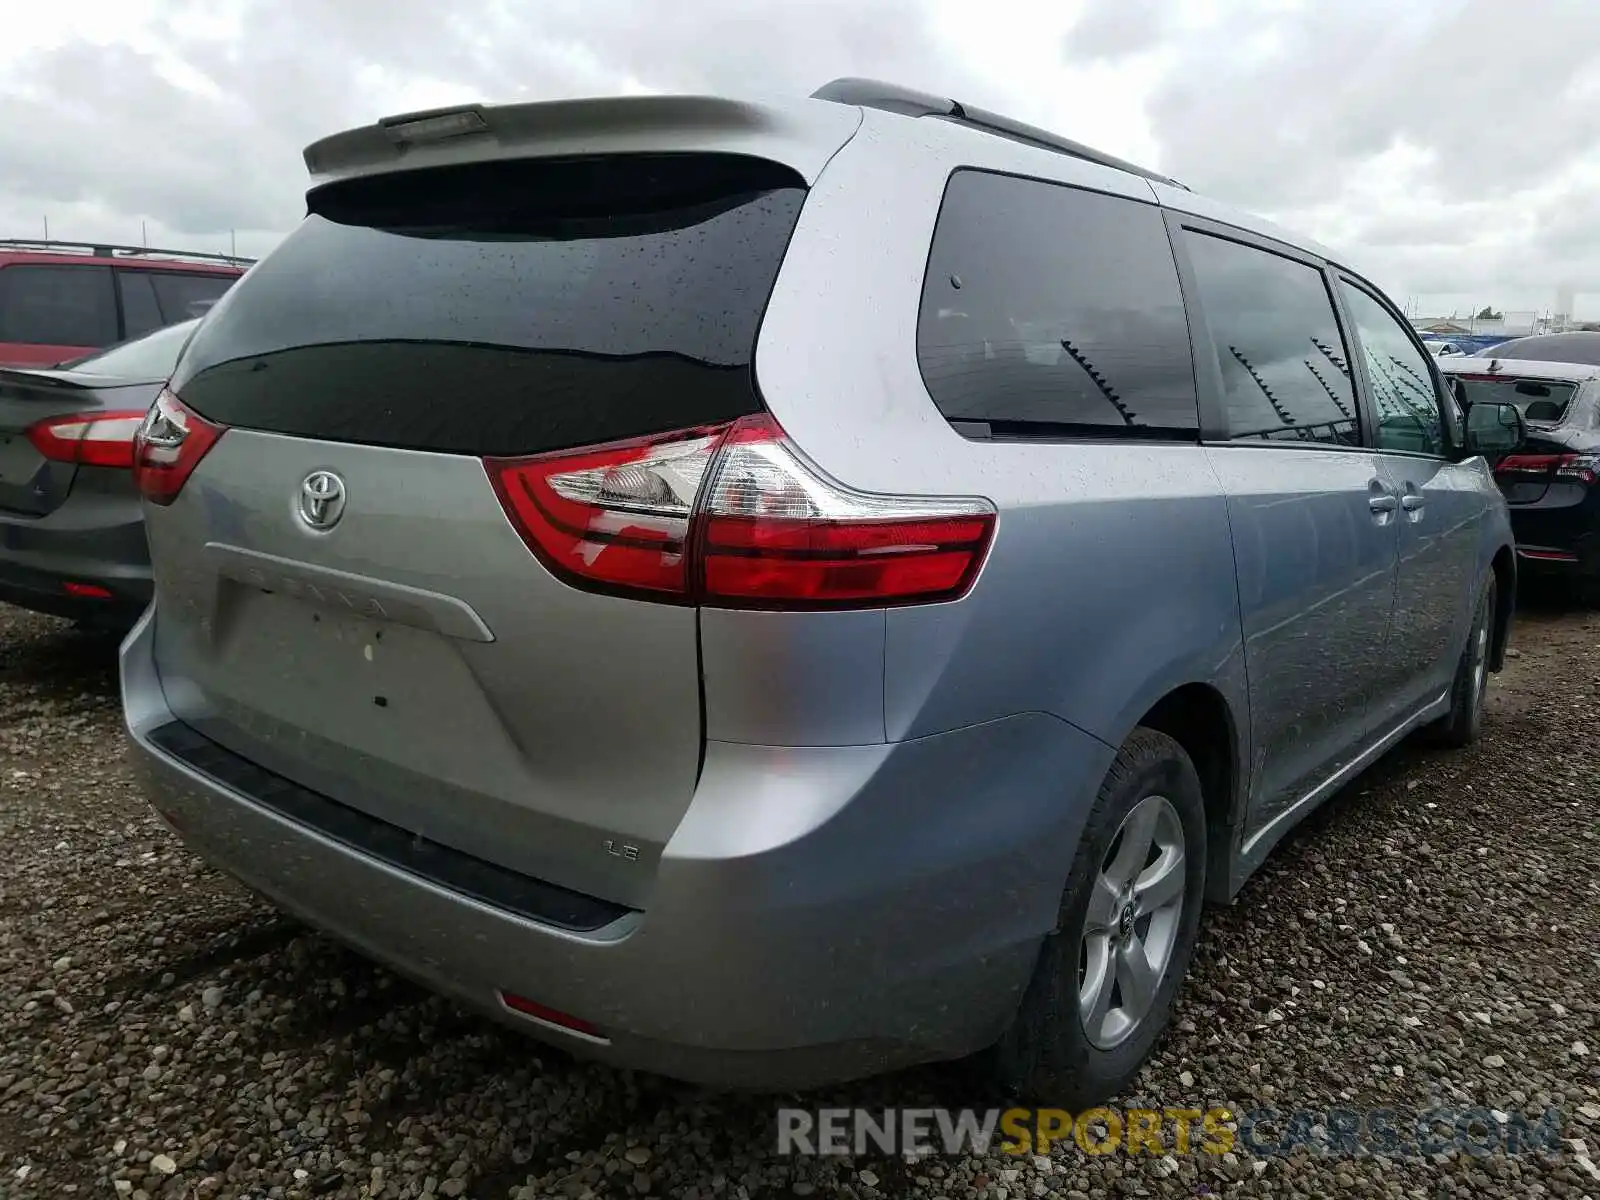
{"x":169,"y":445}
{"x":734,"y":516}
{"x":776,"y":533}
{"x":1525,"y":464}
{"x":615,"y":517}
{"x":1585,"y":468}
{"x":102,"y":439}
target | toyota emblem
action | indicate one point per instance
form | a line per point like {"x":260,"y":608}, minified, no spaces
{"x":321,"y":499}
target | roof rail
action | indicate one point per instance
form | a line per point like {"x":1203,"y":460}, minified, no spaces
{"x":112,"y":250}
{"x":890,"y":97}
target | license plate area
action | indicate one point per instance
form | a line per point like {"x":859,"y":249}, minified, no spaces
{"x":287,"y":667}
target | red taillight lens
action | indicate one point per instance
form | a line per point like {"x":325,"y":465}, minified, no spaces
{"x":1526,"y":463}
{"x":1585,"y":468}
{"x":735,"y":517}
{"x":90,"y":439}
{"x":169,"y":445}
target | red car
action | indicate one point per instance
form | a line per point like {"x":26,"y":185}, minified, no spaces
{"x":63,"y":300}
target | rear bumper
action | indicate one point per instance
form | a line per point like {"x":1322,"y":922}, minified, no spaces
{"x":819,"y":914}
{"x":95,"y":541}
{"x":1559,"y":543}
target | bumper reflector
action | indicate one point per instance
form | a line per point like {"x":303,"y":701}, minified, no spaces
{"x":86,"y":591}
{"x":550,"y":1016}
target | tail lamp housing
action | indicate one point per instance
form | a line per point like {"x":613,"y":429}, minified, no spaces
{"x":171,"y":441}
{"x":1582,"y":468}
{"x":735,"y":516}
{"x":92,"y":439}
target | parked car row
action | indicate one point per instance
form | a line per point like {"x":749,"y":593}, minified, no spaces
{"x":72,"y":539}
{"x":772,"y":593}
{"x":1551,"y":483}
{"x":63,"y":300}
{"x":1575,"y":346}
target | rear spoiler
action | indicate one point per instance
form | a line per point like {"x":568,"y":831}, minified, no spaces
{"x":803,"y":136}
{"x":39,"y":377}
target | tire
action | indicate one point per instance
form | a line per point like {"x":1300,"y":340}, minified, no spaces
{"x":1459,"y":727}
{"x":1053,"y":1052}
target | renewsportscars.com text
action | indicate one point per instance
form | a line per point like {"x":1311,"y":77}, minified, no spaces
{"x":1214,"y":1130}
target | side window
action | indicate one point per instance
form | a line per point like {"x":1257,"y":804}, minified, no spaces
{"x":1049,"y":311}
{"x":140,"y":312}
{"x":184,"y":296}
{"x":1399,"y":374}
{"x":47,"y":305}
{"x":1285,"y":375}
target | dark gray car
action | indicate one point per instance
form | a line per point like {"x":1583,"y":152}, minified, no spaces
{"x":71,"y":531}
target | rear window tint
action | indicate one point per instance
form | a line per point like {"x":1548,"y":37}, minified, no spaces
{"x":140,"y":311}
{"x":46,"y":305}
{"x":184,"y":297}
{"x":1049,"y":311}
{"x":1541,"y":401}
{"x":506,"y":308}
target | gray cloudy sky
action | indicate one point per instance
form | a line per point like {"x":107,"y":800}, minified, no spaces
{"x":1448,"y":145}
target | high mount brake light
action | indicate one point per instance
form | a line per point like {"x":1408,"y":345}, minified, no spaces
{"x":170,"y":443}
{"x":734,"y":516}
{"x":94,"y":439}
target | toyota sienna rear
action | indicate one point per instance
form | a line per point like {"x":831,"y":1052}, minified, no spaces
{"x":744,"y":591}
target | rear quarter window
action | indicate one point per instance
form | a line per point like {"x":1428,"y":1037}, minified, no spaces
{"x":42,"y":304}
{"x":1051,"y":311}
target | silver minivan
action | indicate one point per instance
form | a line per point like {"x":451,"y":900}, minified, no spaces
{"x":772,"y":593}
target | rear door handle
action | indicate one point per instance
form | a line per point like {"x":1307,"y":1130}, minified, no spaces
{"x":1381,"y":504}
{"x":1413,"y":502}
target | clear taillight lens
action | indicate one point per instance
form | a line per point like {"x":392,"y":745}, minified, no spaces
{"x":170,"y":443}
{"x":736,"y":517}
{"x":1585,"y":468}
{"x":92,"y":439}
{"x":777,"y":533}
{"x":614,"y":517}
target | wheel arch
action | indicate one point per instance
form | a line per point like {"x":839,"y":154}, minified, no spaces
{"x":1200,"y":719}
{"x":1504,"y":566}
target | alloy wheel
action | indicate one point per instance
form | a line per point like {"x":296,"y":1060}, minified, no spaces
{"x":1131,"y":928}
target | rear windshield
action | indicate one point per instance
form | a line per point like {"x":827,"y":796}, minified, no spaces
{"x":1541,"y":402}
{"x":505,"y":308}
{"x":147,"y":359}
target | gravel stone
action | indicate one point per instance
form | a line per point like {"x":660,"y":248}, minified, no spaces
{"x":165,"y":1035}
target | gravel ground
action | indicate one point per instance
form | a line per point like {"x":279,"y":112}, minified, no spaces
{"x":1431,"y":935}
